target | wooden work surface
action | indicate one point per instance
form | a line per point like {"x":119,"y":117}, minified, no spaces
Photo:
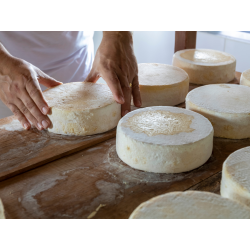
{"x":94,"y":183}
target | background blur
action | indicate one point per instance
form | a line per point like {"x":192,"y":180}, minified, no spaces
{"x":158,"y":47}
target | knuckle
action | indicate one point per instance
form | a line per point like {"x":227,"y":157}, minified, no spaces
{"x":24,"y":110}
{"x":127,"y":89}
{"x":34,"y":92}
{"x":29,"y":105}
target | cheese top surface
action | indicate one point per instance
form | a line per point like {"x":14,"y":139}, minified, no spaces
{"x":79,"y":96}
{"x":224,"y":98}
{"x":165,"y":125}
{"x":246,"y":74}
{"x":160,"y":74}
{"x":191,"y":204}
{"x":205,"y":56}
{"x":237,"y":167}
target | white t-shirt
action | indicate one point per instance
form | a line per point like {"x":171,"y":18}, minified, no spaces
{"x":66,"y":56}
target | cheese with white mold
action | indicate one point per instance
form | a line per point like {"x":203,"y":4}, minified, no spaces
{"x":162,"y":85}
{"x":206,"y":66}
{"x":82,"y":108}
{"x":235,"y":182}
{"x":191,"y":205}
{"x":245,"y":78}
{"x":164,"y":139}
{"x":227,"y":106}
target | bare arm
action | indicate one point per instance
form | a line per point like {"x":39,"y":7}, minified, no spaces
{"x":116,"y":63}
{"x":20,"y":90}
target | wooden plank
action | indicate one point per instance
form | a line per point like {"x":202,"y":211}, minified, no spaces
{"x":76,"y":185}
{"x":22,"y":150}
{"x":185,"y":40}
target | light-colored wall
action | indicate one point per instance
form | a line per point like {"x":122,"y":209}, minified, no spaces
{"x":158,"y":47}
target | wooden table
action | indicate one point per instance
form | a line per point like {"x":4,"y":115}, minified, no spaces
{"x":93,"y":182}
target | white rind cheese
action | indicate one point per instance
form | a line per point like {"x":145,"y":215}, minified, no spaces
{"x":190,"y":205}
{"x":245,"y":78}
{"x":235,"y":182}
{"x":226,"y":106}
{"x":164,"y":139}
{"x":81,"y":108}
{"x":162,"y":85}
{"x":1,"y":210}
{"x":206,"y":66}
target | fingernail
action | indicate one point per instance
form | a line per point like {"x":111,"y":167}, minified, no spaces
{"x":121,"y":99}
{"x":44,"y":110}
{"x":45,"y":124}
{"x":39,"y":126}
{"x":138,"y":103}
{"x":26,"y":125}
{"x":125,"y":112}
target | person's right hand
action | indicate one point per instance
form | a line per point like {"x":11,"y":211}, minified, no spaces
{"x":21,"y":93}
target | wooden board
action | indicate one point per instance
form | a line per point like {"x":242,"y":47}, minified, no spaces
{"x":95,"y":179}
{"x":22,"y":150}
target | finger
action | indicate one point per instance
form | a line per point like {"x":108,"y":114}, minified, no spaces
{"x":114,"y":84}
{"x":28,"y":106}
{"x":19,"y":115}
{"x":92,"y":77}
{"x":35,"y":93}
{"x":47,"y":80}
{"x":136,"y":92}
{"x":126,"y":106}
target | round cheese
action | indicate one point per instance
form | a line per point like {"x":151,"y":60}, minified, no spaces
{"x":82,"y":108}
{"x":162,"y":85}
{"x":164,"y":139}
{"x":235,"y":182}
{"x":206,"y":66}
{"x":190,"y":205}
{"x":245,"y":78}
{"x":1,"y":210}
{"x":227,"y":107}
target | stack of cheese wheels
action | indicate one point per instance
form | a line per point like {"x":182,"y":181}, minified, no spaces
{"x":227,"y":107}
{"x":162,"y":85}
{"x":235,"y":183}
{"x":206,"y":66}
{"x":1,"y":210}
{"x":191,"y":205}
{"x":164,"y":139}
{"x":245,"y":78}
{"x":82,"y":108}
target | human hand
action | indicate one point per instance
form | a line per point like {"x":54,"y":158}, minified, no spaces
{"x":21,"y":93}
{"x":115,"y":62}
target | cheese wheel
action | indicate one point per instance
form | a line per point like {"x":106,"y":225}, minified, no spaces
{"x":1,"y":210}
{"x":227,"y":107}
{"x":190,"y":205}
{"x":162,"y":85}
{"x":206,"y":66}
{"x":235,"y":182}
{"x":81,"y":108}
{"x":164,"y":139}
{"x":245,"y":78}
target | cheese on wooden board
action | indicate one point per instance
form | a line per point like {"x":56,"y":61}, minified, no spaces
{"x":206,"y":66}
{"x":226,"y":106}
{"x":245,"y":78}
{"x":1,"y":210}
{"x":164,"y":139}
{"x":235,"y":182}
{"x":191,"y":205}
{"x":82,"y":108}
{"x":162,"y":85}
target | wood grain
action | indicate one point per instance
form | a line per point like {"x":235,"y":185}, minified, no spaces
{"x":185,"y":40}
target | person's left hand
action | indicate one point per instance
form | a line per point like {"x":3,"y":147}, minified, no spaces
{"x":115,"y":62}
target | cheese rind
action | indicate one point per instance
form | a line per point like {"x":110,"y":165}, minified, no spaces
{"x":206,"y":66}
{"x":164,"y":139}
{"x":82,"y":108}
{"x":190,"y":205}
{"x":1,"y":210}
{"x":235,"y":182}
{"x":245,"y":78}
{"x":162,"y":85}
{"x":226,"y":106}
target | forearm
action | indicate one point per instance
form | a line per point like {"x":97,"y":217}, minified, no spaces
{"x":5,"y":57}
{"x":125,"y":36}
